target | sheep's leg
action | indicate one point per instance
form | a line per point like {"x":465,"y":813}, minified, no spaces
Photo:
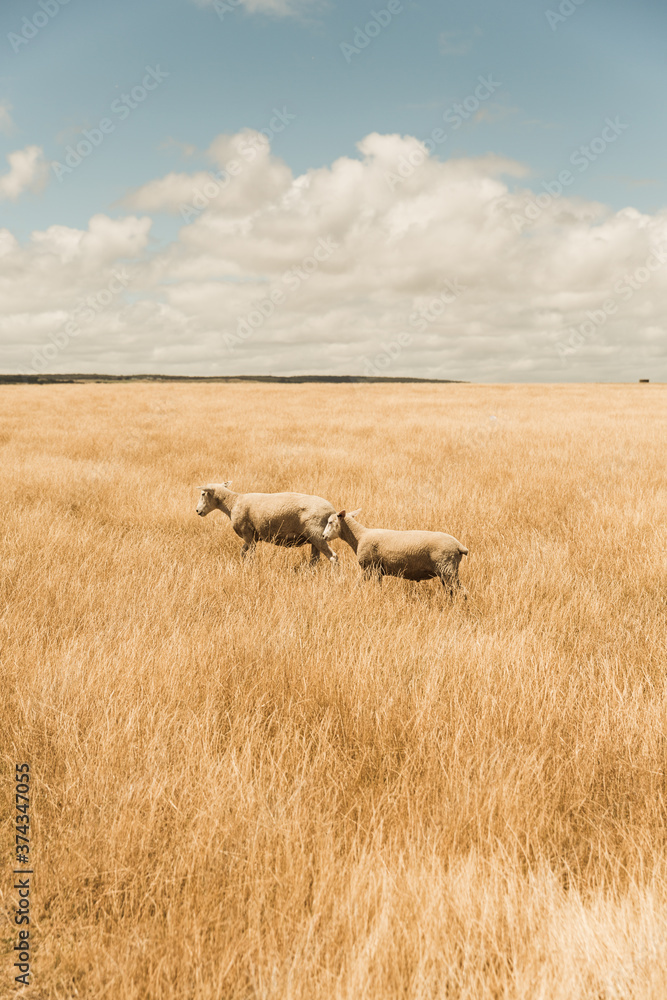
{"x":248,"y":548}
{"x":460,"y":589}
{"x":316,"y":550}
{"x":312,"y":562}
{"x":451,"y":582}
{"x":324,"y":549}
{"x":373,"y":573}
{"x":248,"y":538}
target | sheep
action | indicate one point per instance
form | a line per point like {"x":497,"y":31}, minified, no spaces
{"x":414,"y":555}
{"x":290,"y":519}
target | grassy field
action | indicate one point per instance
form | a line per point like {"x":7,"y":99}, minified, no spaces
{"x":259,"y":781}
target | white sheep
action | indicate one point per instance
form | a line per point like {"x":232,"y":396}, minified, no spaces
{"x":414,"y":555}
{"x":282,"y":518}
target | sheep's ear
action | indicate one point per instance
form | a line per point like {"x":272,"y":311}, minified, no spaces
{"x":353,"y":513}
{"x":341,"y":513}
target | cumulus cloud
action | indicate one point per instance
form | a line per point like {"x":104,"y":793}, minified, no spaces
{"x":392,"y":262}
{"x":28,"y":171}
{"x":63,"y":276}
{"x":243,"y":171}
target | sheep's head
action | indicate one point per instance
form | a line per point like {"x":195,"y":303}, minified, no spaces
{"x":331,"y":528}
{"x":334,"y":524}
{"x":208,"y":500}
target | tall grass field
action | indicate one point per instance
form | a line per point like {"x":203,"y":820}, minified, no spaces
{"x":256,"y":780}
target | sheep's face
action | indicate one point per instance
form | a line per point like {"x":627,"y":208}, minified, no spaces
{"x":208,"y":500}
{"x":206,"y":503}
{"x":332,"y":528}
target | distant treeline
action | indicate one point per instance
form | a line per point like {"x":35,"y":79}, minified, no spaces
{"x":49,"y":379}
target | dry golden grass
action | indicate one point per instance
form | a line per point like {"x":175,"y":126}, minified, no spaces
{"x":254,"y":782}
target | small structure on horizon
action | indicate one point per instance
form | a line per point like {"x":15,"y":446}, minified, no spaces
{"x":643,"y":380}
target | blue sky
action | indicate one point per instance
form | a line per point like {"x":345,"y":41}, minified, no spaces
{"x":556,"y":84}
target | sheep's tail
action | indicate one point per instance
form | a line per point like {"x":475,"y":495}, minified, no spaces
{"x":463,"y":550}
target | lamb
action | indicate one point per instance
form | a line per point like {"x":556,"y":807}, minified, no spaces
{"x":414,"y":555}
{"x":290,"y":519}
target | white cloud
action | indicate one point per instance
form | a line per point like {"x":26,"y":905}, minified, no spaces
{"x":279,"y":8}
{"x":394,"y":259}
{"x":243,"y":170}
{"x":186,"y":149}
{"x":275,"y":8}
{"x":6,"y":121}
{"x":28,"y":171}
{"x":493,"y":112}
